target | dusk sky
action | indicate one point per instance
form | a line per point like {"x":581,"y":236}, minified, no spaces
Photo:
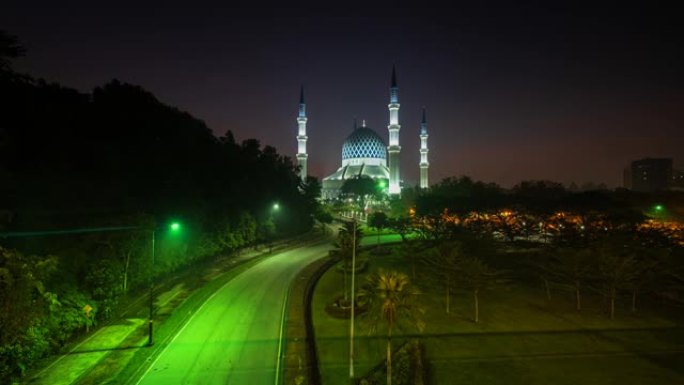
{"x":511,"y":92}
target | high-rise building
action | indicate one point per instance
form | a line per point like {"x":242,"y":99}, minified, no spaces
{"x":651,"y":174}
{"x":677,"y":182}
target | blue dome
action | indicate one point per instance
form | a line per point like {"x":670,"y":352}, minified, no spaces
{"x":364,"y":143}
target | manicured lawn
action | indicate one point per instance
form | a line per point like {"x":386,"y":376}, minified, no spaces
{"x":521,"y":338}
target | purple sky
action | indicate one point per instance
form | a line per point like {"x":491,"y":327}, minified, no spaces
{"x":512,"y":93}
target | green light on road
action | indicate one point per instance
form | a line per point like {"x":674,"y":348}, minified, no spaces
{"x":175,"y":226}
{"x":658,"y":208}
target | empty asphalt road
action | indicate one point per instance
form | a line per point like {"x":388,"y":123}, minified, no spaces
{"x":233,"y":338}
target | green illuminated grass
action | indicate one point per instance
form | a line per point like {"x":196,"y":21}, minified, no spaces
{"x":70,"y":366}
{"x":521,"y":338}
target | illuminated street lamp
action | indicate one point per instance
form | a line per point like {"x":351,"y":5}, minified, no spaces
{"x":657,"y":211}
{"x":382,"y":185}
{"x":270,"y":231}
{"x":174,"y":227}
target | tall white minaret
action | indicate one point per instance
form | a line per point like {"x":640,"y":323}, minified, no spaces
{"x":301,"y":137}
{"x":423,"y":153}
{"x":394,"y":148}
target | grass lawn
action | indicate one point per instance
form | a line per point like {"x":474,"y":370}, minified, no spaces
{"x":521,"y":338}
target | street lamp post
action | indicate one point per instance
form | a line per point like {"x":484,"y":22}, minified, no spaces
{"x":351,"y":323}
{"x":272,"y":231}
{"x":150,"y":340}
{"x":174,"y":227}
{"x":658,"y":211}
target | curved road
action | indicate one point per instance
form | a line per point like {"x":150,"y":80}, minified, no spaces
{"x":234,"y":337}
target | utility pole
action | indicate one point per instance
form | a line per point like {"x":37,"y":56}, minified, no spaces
{"x":150,"y":320}
{"x":353,"y":300}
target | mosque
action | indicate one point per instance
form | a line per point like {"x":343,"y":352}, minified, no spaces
{"x":365,"y":153}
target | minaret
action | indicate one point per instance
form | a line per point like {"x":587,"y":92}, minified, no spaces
{"x":394,"y":148}
{"x":423,"y":153}
{"x":301,"y":137}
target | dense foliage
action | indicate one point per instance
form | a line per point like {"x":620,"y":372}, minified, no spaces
{"x":117,"y":157}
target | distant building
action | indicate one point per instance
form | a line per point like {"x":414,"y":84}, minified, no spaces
{"x":365,"y":153}
{"x":651,"y":174}
{"x":677,"y":182}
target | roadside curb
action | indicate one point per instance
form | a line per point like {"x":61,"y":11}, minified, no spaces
{"x":300,"y":364}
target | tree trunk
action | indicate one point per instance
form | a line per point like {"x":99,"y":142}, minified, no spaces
{"x":419,"y":368}
{"x":447,"y":296}
{"x":125,"y":272}
{"x":344,"y":274}
{"x":548,"y":290}
{"x":578,"y":297}
{"x":389,"y":356}
{"x":477,"y":305}
{"x":612,"y":303}
{"x":634,"y":300}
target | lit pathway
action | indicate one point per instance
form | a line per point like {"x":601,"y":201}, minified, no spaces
{"x":234,"y":337}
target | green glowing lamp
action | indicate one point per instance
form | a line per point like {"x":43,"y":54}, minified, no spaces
{"x":658,"y":208}
{"x":276,"y":207}
{"x":175,"y":226}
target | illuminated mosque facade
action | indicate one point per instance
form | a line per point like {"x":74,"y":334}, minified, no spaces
{"x":365,"y":153}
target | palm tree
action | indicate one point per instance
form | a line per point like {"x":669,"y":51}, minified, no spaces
{"x":390,"y":297}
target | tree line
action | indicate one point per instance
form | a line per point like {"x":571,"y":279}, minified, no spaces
{"x":117,"y":157}
{"x":614,"y":243}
